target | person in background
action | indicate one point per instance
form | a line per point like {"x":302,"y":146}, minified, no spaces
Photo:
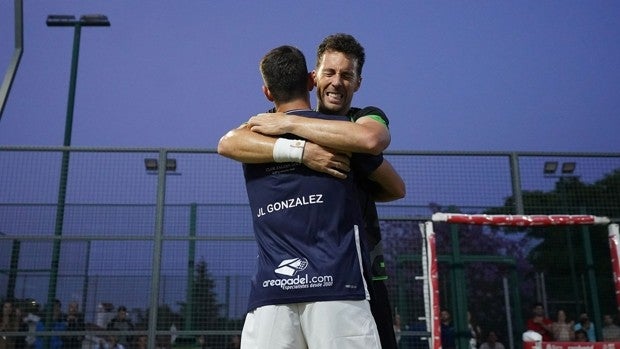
{"x":491,"y":342}
{"x":539,"y":323}
{"x":448,"y":340}
{"x":581,"y":336}
{"x":474,"y":330}
{"x":121,"y":323}
{"x":235,"y":342}
{"x":59,"y":323}
{"x":610,"y":331}
{"x":9,"y":323}
{"x":561,"y":329}
{"x":75,"y":322}
{"x":397,"y":327}
{"x":20,"y":342}
{"x":585,"y":324}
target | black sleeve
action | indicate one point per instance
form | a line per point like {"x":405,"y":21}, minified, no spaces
{"x":365,"y":164}
{"x":356,"y":113}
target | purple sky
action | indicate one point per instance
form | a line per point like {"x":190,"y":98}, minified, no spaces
{"x":451,"y":75}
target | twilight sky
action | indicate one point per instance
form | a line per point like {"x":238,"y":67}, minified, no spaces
{"x":451,"y":75}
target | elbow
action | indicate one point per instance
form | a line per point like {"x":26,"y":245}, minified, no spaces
{"x":401,"y":192}
{"x":224,"y":147}
{"x":376,"y":144}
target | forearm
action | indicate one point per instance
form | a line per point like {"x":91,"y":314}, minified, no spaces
{"x":250,"y":147}
{"x":388,"y":185}
{"x":246,"y":146}
{"x":364,"y":136}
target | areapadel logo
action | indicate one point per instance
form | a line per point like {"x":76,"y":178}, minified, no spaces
{"x":290,"y":267}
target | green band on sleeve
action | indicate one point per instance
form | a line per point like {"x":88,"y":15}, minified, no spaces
{"x":377,"y":118}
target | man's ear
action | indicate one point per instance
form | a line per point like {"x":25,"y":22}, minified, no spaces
{"x":313,"y":74}
{"x":359,"y":84}
{"x":310,"y":81}
{"x":267,"y":93}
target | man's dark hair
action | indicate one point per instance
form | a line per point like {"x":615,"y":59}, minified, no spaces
{"x":285,"y":73}
{"x":344,"y":43}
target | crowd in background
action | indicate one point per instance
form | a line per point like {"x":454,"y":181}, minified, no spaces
{"x":29,"y":321}
{"x":558,"y":329}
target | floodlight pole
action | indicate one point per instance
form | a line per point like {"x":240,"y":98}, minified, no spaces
{"x":66,"y":21}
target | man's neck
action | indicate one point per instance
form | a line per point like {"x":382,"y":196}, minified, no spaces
{"x":293,"y":105}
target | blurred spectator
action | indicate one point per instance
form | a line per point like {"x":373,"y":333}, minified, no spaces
{"x":491,"y":342}
{"x":32,"y":320}
{"x":611,"y":331}
{"x":202,"y":341}
{"x":397,"y":328}
{"x":9,"y":324}
{"x":121,"y":323}
{"x":235,"y":342}
{"x":539,"y":323}
{"x":142,"y":342}
{"x":59,"y":324}
{"x":562,"y":330}
{"x":22,"y":326}
{"x":111,"y":343}
{"x":581,"y":336}
{"x":75,"y":322}
{"x":474,"y":330}
{"x":447,"y":330}
{"x":585,"y":324}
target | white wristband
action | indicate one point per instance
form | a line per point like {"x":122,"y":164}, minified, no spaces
{"x":288,"y":150}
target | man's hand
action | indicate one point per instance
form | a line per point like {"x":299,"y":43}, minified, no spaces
{"x":272,"y":124}
{"x":326,"y":160}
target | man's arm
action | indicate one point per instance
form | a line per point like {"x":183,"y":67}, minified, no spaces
{"x":366,"y":135}
{"x":243,"y":145}
{"x":246,"y":146}
{"x":387,"y":183}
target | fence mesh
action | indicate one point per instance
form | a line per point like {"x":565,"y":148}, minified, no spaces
{"x":104,"y":251}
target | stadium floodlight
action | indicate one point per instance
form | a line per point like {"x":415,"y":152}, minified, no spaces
{"x":95,"y":20}
{"x":550,"y":167}
{"x":151,"y":164}
{"x":568,"y":167}
{"x":66,"y":21}
{"x":61,"y":21}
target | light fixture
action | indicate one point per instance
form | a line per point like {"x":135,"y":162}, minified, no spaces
{"x":152,"y":164}
{"x":95,"y":20}
{"x":568,"y":167}
{"x":550,"y":167}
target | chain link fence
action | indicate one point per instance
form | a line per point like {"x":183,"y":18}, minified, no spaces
{"x":174,"y":244}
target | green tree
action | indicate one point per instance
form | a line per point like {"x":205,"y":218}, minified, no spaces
{"x":205,"y":309}
{"x":551,"y":256}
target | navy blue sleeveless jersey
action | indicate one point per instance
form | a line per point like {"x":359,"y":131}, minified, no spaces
{"x":309,"y":230}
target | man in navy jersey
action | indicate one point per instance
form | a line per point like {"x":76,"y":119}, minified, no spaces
{"x":337,"y":76}
{"x":309,"y":290}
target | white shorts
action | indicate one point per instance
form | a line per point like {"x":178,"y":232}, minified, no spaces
{"x":315,"y":325}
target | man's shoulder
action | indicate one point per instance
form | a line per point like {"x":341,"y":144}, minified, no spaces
{"x":372,"y":111}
